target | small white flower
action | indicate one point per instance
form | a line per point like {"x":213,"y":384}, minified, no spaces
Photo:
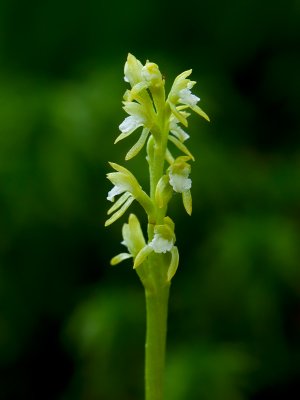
{"x":131,"y":123}
{"x":179,"y":180}
{"x":188,"y":98}
{"x":177,"y":130}
{"x":115,"y":191}
{"x":160,"y":245}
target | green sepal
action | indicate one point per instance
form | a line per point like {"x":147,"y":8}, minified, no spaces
{"x":133,"y":235}
{"x":119,"y":168}
{"x":187,"y":201}
{"x":173,"y":264}
{"x":163,"y":192}
{"x":122,"y":136}
{"x":142,"y":255}
{"x":168,"y":221}
{"x":181,"y":146}
{"x":120,"y":212}
{"x":200,"y":112}
{"x":168,"y":157}
{"x":137,"y":147}
{"x":119,"y":203}
{"x":119,"y":258}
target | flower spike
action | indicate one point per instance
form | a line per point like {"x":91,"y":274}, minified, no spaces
{"x":162,"y":120}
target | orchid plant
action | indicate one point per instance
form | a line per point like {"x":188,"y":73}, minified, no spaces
{"x":156,"y":257}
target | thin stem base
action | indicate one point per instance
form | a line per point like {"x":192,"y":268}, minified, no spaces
{"x":157,"y":311}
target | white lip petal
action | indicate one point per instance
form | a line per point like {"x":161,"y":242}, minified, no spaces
{"x":180,"y":183}
{"x":187,"y":97}
{"x":114,"y":192}
{"x":178,"y":131}
{"x":160,"y":244}
{"x":130,"y":124}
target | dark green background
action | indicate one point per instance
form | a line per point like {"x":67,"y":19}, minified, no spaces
{"x":71,"y":327}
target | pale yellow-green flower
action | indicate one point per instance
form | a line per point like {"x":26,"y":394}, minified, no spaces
{"x":125,"y":182}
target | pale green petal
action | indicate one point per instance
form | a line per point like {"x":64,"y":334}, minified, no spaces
{"x":119,"y":258}
{"x":132,"y":69}
{"x":137,"y":147}
{"x":142,"y":255}
{"x":181,"y":146}
{"x":119,"y":213}
{"x":119,"y":203}
{"x":183,"y":107}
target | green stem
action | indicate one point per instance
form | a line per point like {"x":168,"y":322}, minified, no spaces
{"x":157,"y":311}
{"x":157,"y":294}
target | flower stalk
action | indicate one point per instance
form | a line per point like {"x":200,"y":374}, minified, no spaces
{"x":156,"y":258}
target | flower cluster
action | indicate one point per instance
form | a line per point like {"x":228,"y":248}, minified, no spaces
{"x":162,"y":120}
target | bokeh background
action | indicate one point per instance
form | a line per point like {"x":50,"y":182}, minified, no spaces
{"x":71,"y":326}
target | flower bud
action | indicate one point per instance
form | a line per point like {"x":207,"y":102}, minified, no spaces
{"x":151,"y":74}
{"x":132,"y":70}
